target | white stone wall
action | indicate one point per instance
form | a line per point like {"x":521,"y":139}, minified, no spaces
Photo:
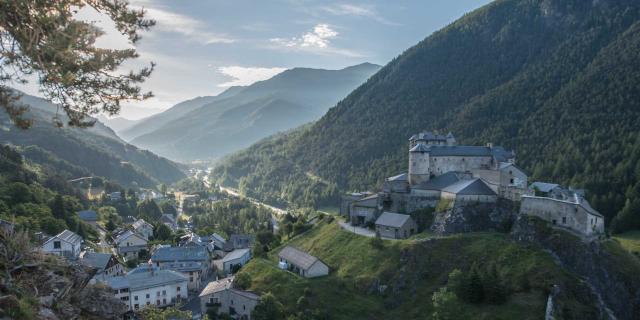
{"x":66,"y":249}
{"x":318,"y":269}
{"x":418,"y":167}
{"x":562,"y":213}
{"x":241,"y":260}
{"x":159,"y":296}
{"x":442,"y":165}
{"x":469,"y":198}
{"x":229,"y":301}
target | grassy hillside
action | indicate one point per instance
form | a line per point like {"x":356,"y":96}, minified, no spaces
{"x":557,"y":81}
{"x":413,"y":270}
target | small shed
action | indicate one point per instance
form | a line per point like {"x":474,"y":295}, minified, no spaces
{"x":302,"y":263}
{"x":395,"y":226}
{"x":235,"y":257}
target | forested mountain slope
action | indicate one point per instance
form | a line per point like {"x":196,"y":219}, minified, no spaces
{"x":230,"y":122}
{"x":75,"y":152}
{"x":558,"y":81}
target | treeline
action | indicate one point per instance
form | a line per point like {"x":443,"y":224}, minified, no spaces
{"x":564,"y":95}
{"x":230,"y":216}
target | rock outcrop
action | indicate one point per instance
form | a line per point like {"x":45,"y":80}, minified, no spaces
{"x":611,"y":272}
{"x":475,"y":217}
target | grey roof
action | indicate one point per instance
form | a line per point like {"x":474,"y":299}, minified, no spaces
{"x":140,"y":223}
{"x":391,"y":219}
{"x":96,"y":260}
{"x":369,"y":202}
{"x":298,"y":257}
{"x":235,"y":254}
{"x":420,"y":147}
{"x":144,"y":280}
{"x":544,"y":186}
{"x":217,"y":286}
{"x":88,"y":215}
{"x":470,"y":187}
{"x":440,"y":182}
{"x":400,"y":177}
{"x":124,"y":235}
{"x":193,"y":253}
{"x":217,"y":237}
{"x":67,"y":236}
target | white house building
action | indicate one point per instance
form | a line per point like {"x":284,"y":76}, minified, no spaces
{"x":129,"y":243}
{"x":233,"y":258}
{"x":106,"y":265}
{"x":143,"y":228}
{"x":191,"y":261}
{"x":237,"y":303}
{"x":65,"y":244}
{"x":302,"y":263}
{"x":160,"y":288}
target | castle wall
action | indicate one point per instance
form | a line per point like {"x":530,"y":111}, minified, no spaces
{"x":441,"y":165}
{"x":469,"y":198}
{"x":418,"y":167}
{"x":562,"y":213}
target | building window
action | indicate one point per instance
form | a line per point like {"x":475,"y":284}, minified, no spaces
{"x":135,"y":298}
{"x":164,"y":301}
{"x":57,"y":245}
{"x":178,"y":289}
{"x":157,"y":293}
{"x":148,"y":296}
{"x":164,"y":292}
{"x":564,"y":220}
{"x":136,"y":306}
{"x":553,"y":221}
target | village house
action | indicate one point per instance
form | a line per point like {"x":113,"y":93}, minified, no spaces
{"x":191,"y":261}
{"x":143,"y":228}
{"x":395,"y":226}
{"x":89,"y":216}
{"x":160,"y":288}
{"x":302,"y":263}
{"x":106,"y":265}
{"x":235,"y":302}
{"x":240,"y":241}
{"x":234,"y":259}
{"x":564,"y":208}
{"x":65,"y":244}
{"x":129,"y":244}
{"x":115,"y":196}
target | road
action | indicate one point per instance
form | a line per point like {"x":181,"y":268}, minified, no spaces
{"x":357,"y":230}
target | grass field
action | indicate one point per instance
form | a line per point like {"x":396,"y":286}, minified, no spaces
{"x":630,"y":240}
{"x":411,"y":270}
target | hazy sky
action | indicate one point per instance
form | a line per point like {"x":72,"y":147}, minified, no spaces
{"x":203,"y":46}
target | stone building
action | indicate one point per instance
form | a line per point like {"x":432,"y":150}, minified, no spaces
{"x":65,"y":244}
{"x":159,"y":288}
{"x":568,"y":210}
{"x":106,"y":265}
{"x":235,"y":302}
{"x":437,"y":162}
{"x":395,"y":226}
{"x":302,"y":263}
{"x":191,"y":261}
{"x":129,"y":244}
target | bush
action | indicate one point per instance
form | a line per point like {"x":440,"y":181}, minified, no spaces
{"x":376,"y":242}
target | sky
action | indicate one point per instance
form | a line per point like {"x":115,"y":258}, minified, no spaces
{"x":201,"y":47}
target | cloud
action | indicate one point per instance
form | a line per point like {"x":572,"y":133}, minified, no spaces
{"x":193,"y":29}
{"x":244,"y":76}
{"x":318,"y":40}
{"x":346,"y":9}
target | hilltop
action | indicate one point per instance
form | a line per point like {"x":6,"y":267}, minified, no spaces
{"x":556,"y":81}
{"x":211,"y":127}
{"x":397,"y":279}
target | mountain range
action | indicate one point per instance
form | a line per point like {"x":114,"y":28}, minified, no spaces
{"x":211,"y":127}
{"x":76,"y":152}
{"x":556,"y":81}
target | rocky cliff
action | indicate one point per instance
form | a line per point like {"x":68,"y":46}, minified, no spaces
{"x":38,"y":286}
{"x":476,"y":217}
{"x":611,"y":272}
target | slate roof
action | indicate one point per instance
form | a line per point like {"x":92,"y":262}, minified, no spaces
{"x":470,"y":187}
{"x":440,"y":182}
{"x":96,"y":260}
{"x":298,"y":257}
{"x":145,"y":280}
{"x":400,"y":177}
{"x":544,"y":186}
{"x":88,"y":215}
{"x":140,"y":223}
{"x":123,"y":236}
{"x":391,"y":219}
{"x":369,"y":202}
{"x":499,"y":153}
{"x":193,"y":253}
{"x":420,"y":147}
{"x":235,"y":254}
{"x":428,"y":135}
{"x":217,"y":286}
{"x":67,"y":236}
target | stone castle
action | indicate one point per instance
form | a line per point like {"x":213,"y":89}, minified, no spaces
{"x":440,"y":169}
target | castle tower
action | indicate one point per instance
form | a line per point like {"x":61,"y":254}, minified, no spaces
{"x":419,"y":164}
{"x":451,"y":140}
